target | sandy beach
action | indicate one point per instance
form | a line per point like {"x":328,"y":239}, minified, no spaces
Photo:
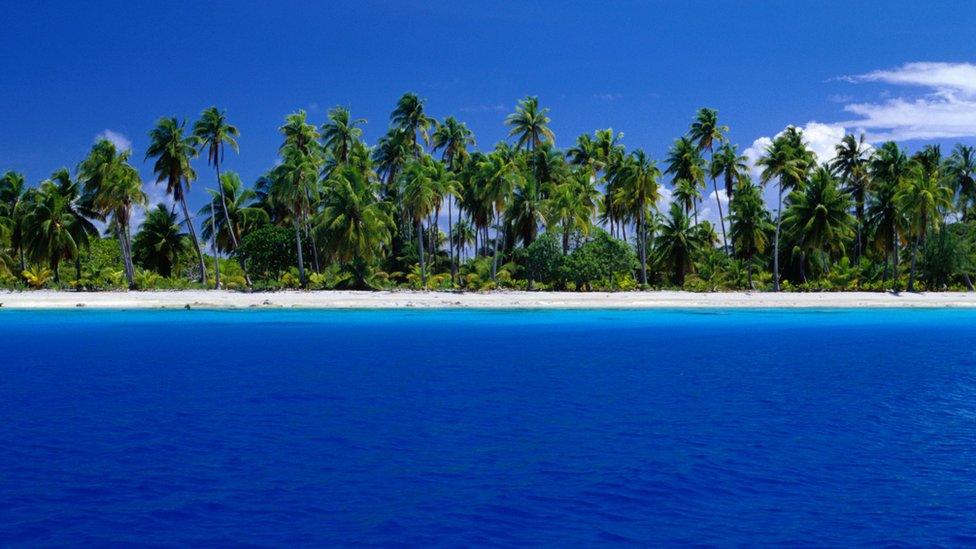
{"x":216,"y":299}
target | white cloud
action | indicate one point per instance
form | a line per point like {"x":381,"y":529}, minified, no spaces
{"x":947,"y":110}
{"x":959,"y":77}
{"x":608,"y":96}
{"x":498,"y":107}
{"x":120,"y":141}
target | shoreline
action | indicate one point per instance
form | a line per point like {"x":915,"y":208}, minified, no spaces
{"x":325,"y":299}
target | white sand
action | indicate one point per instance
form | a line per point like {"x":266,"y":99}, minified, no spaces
{"x":211,"y":299}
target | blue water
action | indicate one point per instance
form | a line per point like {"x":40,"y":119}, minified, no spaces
{"x":488,"y":428}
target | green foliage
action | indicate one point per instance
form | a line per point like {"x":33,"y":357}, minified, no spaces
{"x":600,"y":262}
{"x":37,"y":276}
{"x":945,"y":255}
{"x":543,"y":260}
{"x":268,"y":251}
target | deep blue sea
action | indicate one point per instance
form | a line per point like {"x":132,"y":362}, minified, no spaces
{"x":503,"y":428}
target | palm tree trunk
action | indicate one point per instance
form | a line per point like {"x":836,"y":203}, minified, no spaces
{"x":894,"y":259}
{"x":193,"y":237}
{"x":779,"y":218}
{"x":315,"y":249}
{"x":450,"y":238}
{"x":420,"y":252}
{"x":78,"y":266}
{"x":127,"y":240}
{"x":695,"y":203}
{"x":213,"y":229}
{"x":911,"y":272}
{"x":566,"y":239}
{"x":642,"y":245}
{"x":298,"y":247}
{"x":125,"y":260}
{"x":498,"y":237}
{"x":721,"y":217}
{"x":223,"y":206}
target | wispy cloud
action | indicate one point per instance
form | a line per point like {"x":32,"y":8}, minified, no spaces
{"x":120,"y":141}
{"x":608,"y":96}
{"x":947,"y":109}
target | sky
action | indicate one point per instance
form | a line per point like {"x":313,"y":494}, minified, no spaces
{"x":70,"y":72}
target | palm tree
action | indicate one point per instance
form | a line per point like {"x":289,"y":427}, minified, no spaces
{"x":677,"y":242}
{"x":851,"y":165}
{"x":526,"y":212}
{"x":572,"y":205}
{"x":298,"y":133}
{"x":214,"y":134}
{"x":749,"y":222}
{"x":355,"y":225}
{"x":887,"y":168}
{"x":159,"y":244}
{"x":637,"y":179}
{"x":463,"y":235}
{"x":54,"y":228}
{"x":341,"y":133}
{"x":12,"y":189}
{"x":818,"y":218}
{"x":497,"y":177}
{"x":419,"y":200}
{"x":788,"y":161}
{"x":686,"y":194}
{"x":921,"y":197}
{"x":453,"y":138}
{"x":529,"y":124}
{"x":173,"y":151}
{"x":705,"y":131}
{"x":296,"y":186}
{"x":962,"y":172}
{"x":112,"y":186}
{"x":242,"y":214}
{"x":585,"y":154}
{"x":684,"y":162}
{"x":730,"y":165}
{"x":409,"y":116}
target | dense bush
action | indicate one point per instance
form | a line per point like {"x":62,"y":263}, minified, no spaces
{"x":600,"y":261}
{"x":269,"y":251}
{"x":543,"y":260}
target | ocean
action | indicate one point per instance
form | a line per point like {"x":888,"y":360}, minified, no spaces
{"x":501,"y":428}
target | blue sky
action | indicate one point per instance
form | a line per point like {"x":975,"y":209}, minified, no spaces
{"x":71,"y":71}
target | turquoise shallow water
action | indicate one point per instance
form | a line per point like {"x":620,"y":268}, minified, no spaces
{"x":832,"y":427}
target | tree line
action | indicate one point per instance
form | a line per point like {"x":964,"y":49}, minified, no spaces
{"x":336,"y":212}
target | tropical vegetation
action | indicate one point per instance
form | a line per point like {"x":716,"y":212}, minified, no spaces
{"x":424,"y":208}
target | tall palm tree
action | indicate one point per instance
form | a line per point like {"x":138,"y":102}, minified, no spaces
{"x":529,"y":124}
{"x":112,"y":186}
{"x":585,"y":153}
{"x":214,"y":134}
{"x":788,"y":161}
{"x":173,"y":152}
{"x":637,"y":179}
{"x":921,"y":197}
{"x":962,"y":173}
{"x":818,"y":218}
{"x":730,"y":165}
{"x":749,"y":222}
{"x":159,"y":243}
{"x":341,"y":133}
{"x":409,"y":116}
{"x":12,"y":189}
{"x":677,"y":242}
{"x":296,"y":186}
{"x":498,"y":177}
{"x":243,"y":215}
{"x":684,"y":162}
{"x":355,"y":225}
{"x":705,"y":132}
{"x":851,"y":165}
{"x":888,"y":167}
{"x":420,"y":198}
